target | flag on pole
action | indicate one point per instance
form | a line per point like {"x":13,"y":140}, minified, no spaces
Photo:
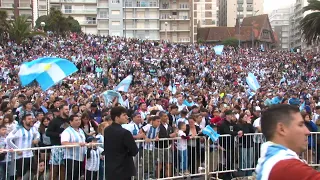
{"x":124,"y":84}
{"x":252,"y":82}
{"x":218,"y":49}
{"x":209,"y":131}
{"x":109,"y":96}
{"x":47,"y":71}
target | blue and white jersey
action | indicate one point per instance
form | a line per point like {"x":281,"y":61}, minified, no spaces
{"x":73,"y":136}
{"x":133,"y":128}
{"x":93,"y":163}
{"x":101,"y":139}
{"x":21,"y":138}
{"x":151,"y":133}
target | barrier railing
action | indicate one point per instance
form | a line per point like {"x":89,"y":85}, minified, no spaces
{"x":168,"y":158}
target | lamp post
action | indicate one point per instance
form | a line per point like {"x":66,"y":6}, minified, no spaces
{"x":252,"y":34}
{"x":166,"y":34}
{"x":42,"y":24}
{"x":125,"y":19}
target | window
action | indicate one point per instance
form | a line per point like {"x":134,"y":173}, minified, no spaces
{"x":103,"y":14}
{"x":115,"y":1}
{"x":67,"y":9}
{"x":42,"y":7}
{"x":115,"y":12}
{"x":115,"y":23}
{"x":91,"y":20}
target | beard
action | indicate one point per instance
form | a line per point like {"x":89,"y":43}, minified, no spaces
{"x":65,"y":115}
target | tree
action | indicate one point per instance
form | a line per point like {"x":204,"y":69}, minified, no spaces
{"x":20,"y":29}
{"x":74,"y":25}
{"x":58,"y":24}
{"x":310,"y":24}
{"x":231,"y":42}
{"x":3,"y":25}
{"x":39,"y":20}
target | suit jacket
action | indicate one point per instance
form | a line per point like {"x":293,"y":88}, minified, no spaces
{"x":119,"y":148}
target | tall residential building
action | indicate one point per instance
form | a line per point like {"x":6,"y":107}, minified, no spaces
{"x":231,"y":10}
{"x":204,"y":15}
{"x":296,"y":41}
{"x":280,"y":22}
{"x":17,"y":8}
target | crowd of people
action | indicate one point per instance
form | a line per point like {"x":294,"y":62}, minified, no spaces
{"x":177,"y":90}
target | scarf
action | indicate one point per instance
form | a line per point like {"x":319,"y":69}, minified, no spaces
{"x":271,"y":154}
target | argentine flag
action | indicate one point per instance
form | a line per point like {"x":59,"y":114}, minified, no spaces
{"x":252,"y":82}
{"x":124,"y":84}
{"x":213,"y":135}
{"x":47,"y":71}
{"x":109,"y":96}
{"x":218,"y":49}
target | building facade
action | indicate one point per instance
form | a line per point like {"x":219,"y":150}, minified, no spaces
{"x":17,"y":8}
{"x":296,"y":40}
{"x":232,"y":10}
{"x":280,"y":22}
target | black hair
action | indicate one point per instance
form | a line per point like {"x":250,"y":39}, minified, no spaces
{"x":117,"y":111}
{"x":275,"y":114}
{"x":180,"y":124}
{"x":72,"y":117}
{"x":153,"y":118}
{"x":25,"y":116}
{"x":3,"y":126}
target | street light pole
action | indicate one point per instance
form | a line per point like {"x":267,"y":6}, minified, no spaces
{"x":166,"y":34}
{"x":239,"y":28}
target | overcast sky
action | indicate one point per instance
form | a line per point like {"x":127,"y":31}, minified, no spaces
{"x":270,"y":5}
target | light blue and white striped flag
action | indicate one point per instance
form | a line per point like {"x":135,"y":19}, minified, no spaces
{"x":218,"y":49}
{"x":124,"y":84}
{"x":109,"y":96}
{"x":213,"y":135}
{"x":252,"y":82}
{"x":47,"y":71}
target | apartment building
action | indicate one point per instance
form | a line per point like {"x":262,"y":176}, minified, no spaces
{"x":18,"y":8}
{"x":205,"y":14}
{"x":232,"y":10}
{"x":280,"y":23}
{"x":296,"y":41}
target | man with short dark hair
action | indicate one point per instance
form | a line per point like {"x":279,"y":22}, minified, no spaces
{"x":287,"y":137}
{"x":119,"y":147}
{"x":54,"y":131}
{"x":23,"y":137}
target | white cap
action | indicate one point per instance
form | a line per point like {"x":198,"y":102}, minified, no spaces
{"x":257,"y":108}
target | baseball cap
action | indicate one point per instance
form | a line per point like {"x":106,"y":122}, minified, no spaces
{"x":91,"y":138}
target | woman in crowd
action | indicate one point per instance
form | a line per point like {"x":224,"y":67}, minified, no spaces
{"x":308,"y":155}
{"x":246,"y":154}
{"x":88,"y":125}
{"x":44,"y":139}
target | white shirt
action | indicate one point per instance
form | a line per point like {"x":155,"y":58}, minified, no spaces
{"x":257,"y":138}
{"x":151,"y":133}
{"x":182,"y":120}
{"x":182,"y":143}
{"x":21,"y":138}
{"x":93,"y":163}
{"x":73,"y":136}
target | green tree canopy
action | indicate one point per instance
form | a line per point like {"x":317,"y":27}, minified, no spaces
{"x":57,"y":23}
{"x":231,"y":42}
{"x":310,"y":24}
{"x":3,"y":25}
{"x":20,"y":29}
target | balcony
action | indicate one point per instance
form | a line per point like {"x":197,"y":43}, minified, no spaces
{"x":7,"y":5}
{"x":103,"y":4}
{"x":145,"y":27}
{"x":249,"y":8}
{"x":79,"y":1}
{"x":25,"y":5}
{"x":174,"y":18}
{"x":249,"y":1}
{"x":140,"y":17}
{"x":240,"y":9}
{"x":240,"y":1}
{"x":103,"y":16}
{"x":79,"y":11}
{"x":89,"y":22}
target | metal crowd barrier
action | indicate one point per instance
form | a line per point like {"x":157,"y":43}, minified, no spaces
{"x":168,"y":158}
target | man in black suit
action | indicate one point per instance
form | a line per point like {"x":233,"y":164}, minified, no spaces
{"x":119,"y":147}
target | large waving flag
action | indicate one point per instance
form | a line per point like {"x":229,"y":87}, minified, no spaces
{"x":213,"y":135}
{"x":109,"y":96}
{"x":218,"y":49}
{"x":124,"y":84}
{"x":47,"y":71}
{"x":252,"y":82}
